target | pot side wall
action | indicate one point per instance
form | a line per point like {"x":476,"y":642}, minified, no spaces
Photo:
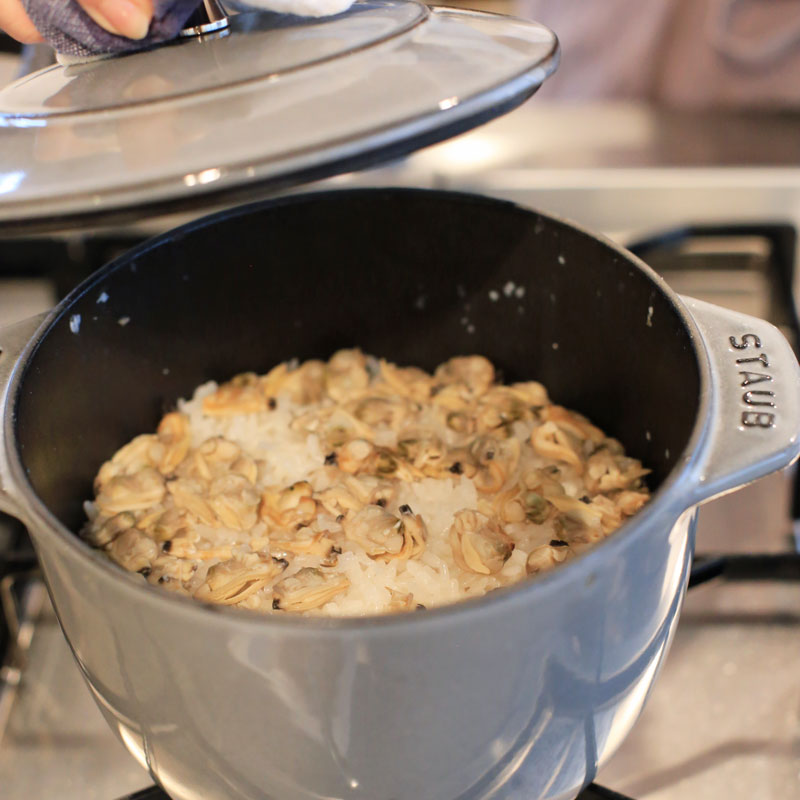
{"x":519,"y":698}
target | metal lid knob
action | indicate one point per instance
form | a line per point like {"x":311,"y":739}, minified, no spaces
{"x":210,"y":17}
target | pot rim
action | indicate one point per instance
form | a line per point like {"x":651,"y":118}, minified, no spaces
{"x":668,"y":502}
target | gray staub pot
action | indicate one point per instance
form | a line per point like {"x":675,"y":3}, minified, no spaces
{"x":521,"y":694}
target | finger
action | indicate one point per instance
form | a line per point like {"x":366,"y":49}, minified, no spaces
{"x":15,"y":22}
{"x":128,"y":18}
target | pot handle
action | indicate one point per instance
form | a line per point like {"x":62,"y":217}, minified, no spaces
{"x":754,"y":414}
{"x":13,"y":341}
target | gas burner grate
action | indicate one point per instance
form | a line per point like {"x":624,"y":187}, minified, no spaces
{"x":745,"y":567}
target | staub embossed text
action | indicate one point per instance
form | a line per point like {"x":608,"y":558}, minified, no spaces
{"x":752,"y":373}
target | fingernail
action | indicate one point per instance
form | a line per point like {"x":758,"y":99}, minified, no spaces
{"x":121,"y":17}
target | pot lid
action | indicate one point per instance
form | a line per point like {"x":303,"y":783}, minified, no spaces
{"x":269,"y":102}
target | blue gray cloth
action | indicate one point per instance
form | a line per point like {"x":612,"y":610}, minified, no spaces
{"x":72,"y":32}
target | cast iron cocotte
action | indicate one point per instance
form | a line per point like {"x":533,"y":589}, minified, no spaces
{"x":526,"y":690}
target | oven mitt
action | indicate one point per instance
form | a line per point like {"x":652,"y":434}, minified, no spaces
{"x":66,"y":27}
{"x":75,"y":36}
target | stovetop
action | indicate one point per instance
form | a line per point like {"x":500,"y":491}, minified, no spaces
{"x":724,"y":717}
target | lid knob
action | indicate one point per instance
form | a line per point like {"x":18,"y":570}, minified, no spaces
{"x":209,"y":17}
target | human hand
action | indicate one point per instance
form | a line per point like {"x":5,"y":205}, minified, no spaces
{"x":15,"y":22}
{"x":128,"y":18}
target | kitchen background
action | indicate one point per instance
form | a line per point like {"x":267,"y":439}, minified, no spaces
{"x":672,"y":125}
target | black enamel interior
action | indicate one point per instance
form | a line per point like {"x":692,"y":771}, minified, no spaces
{"x":414,"y":276}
